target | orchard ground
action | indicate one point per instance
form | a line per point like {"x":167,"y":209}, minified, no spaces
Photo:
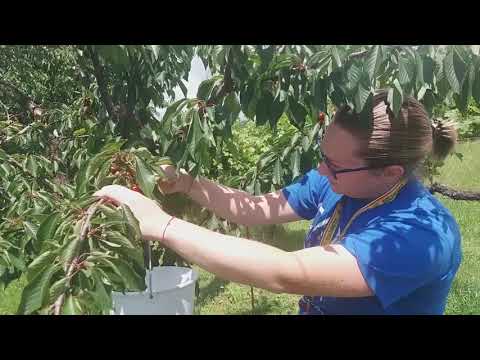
{"x":222,"y":297}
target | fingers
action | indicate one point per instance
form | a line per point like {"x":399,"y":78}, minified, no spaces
{"x":107,"y":191}
{"x":115,"y":194}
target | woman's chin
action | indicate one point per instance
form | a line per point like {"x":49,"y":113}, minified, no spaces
{"x":335,"y":188}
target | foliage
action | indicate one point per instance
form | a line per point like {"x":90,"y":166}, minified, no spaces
{"x":76,"y":118}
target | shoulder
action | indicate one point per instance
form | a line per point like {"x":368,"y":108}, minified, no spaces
{"x":413,"y":234}
{"x":308,"y":192}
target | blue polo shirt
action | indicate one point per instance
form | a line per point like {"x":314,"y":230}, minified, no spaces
{"x":408,"y":250}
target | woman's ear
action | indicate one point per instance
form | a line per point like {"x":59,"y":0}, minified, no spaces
{"x":392,"y":171}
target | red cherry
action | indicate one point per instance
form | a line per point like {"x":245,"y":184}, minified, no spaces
{"x":137,"y":189}
{"x":321,"y":117}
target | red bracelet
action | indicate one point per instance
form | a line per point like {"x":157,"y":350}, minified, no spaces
{"x":165,"y":228}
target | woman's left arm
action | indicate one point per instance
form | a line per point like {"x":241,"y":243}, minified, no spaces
{"x":326,"y":271}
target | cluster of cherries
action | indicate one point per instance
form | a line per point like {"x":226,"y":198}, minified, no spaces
{"x":122,"y":168}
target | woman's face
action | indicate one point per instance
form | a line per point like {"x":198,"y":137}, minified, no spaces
{"x":340,"y":147}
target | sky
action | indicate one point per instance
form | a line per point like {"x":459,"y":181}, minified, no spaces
{"x":197,"y":74}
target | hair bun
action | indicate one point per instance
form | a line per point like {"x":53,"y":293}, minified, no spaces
{"x":444,"y":134}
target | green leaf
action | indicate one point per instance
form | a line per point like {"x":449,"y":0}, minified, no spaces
{"x":35,"y":294}
{"x":354,"y":73}
{"x":295,"y":163}
{"x":461,"y":100}
{"x":319,"y":60}
{"x":3,"y":155}
{"x":133,"y":224}
{"x":206,"y":87}
{"x":294,"y":139}
{"x":263,"y":109}
{"x":111,"y":147}
{"x":47,"y":230}
{"x":117,"y":238}
{"x":71,"y":248}
{"x":395,"y":97}
{"x":319,"y":94}
{"x":18,"y":262}
{"x":258,"y":188}
{"x":373,"y":61}
{"x":476,"y":86}
{"x":232,"y":105}
{"x":57,"y":289}
{"x":298,"y":112}
{"x":264,"y":161}
{"x":419,"y":64}
{"x":71,"y":306}
{"x":31,"y":166}
{"x":428,"y":101}
{"x":455,"y":70}
{"x":428,"y":70}
{"x":194,"y":135}
{"x":145,"y":176}
{"x":361,"y":96}
{"x":336,"y":56}
{"x":114,"y":54}
{"x":131,"y":279}
{"x":100,"y":294}
{"x":30,"y":229}
{"x":403,"y":73}
{"x":277,"y":172}
{"x":47,"y":199}
{"x":110,"y":213}
{"x":156,"y":50}
{"x":39,"y":264}
{"x":173,"y":109}
{"x":277,"y":109}
{"x":133,"y":255}
{"x":306,"y":143}
{"x":81,"y":180}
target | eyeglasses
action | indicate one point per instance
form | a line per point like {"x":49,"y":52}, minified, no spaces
{"x":334,"y":172}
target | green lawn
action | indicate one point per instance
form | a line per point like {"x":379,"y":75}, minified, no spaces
{"x":221,"y":297}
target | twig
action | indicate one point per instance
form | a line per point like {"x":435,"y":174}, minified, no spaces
{"x":83,"y":234}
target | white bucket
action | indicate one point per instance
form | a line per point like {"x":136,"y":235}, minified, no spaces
{"x":173,"y":294}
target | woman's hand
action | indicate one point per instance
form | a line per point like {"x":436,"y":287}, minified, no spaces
{"x":175,"y":182}
{"x":151,"y":217}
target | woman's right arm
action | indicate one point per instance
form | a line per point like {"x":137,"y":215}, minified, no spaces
{"x":234,"y":205}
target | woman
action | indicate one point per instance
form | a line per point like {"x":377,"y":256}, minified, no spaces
{"x":379,"y":242}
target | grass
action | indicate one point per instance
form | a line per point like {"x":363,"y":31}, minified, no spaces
{"x":463,"y":174}
{"x":222,"y":297}
{"x":10,"y":297}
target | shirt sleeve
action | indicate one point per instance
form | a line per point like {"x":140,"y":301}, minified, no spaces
{"x":305,"y":194}
{"x":397,"y":257}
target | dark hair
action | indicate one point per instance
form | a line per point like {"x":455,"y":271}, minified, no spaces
{"x":405,"y":140}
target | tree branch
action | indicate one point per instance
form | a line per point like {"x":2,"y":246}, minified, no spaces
{"x":227,"y":80}
{"x":102,"y":85}
{"x":73,"y":265}
{"x":454,"y":194}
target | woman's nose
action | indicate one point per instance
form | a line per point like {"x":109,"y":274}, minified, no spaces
{"x":324,"y":170}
